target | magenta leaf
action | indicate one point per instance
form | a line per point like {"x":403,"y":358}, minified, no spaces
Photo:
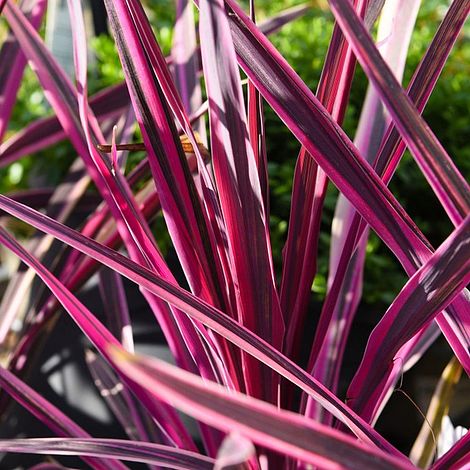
{"x":11,"y":54}
{"x":43,"y":132}
{"x":424,"y":296}
{"x":441,"y":173}
{"x":133,"y":451}
{"x":48,"y":414}
{"x":239,"y":188}
{"x":394,"y":31}
{"x":186,"y":62}
{"x":197,"y":352}
{"x":264,"y":424}
{"x":127,"y":410}
{"x":276,"y":22}
{"x":334,"y":152}
{"x":309,"y":191}
{"x":423,"y":81}
{"x":181,"y":206}
{"x":385,"y":164}
{"x":198,"y":310}
{"x":100,"y":337}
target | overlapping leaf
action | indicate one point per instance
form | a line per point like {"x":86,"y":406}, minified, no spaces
{"x":48,"y":414}
{"x":441,"y":173}
{"x":238,"y":186}
{"x":266,"y":425}
{"x":328,"y":144}
{"x":11,"y":54}
{"x":201,"y":311}
{"x":132,"y":451}
{"x":424,"y":296}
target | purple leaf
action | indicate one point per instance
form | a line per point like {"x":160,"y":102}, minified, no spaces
{"x":424,"y":296}
{"x":114,"y":300}
{"x":186,"y":221}
{"x":186,"y":62}
{"x":394,"y":32}
{"x":11,"y":54}
{"x":201,"y":311}
{"x":132,"y":451}
{"x":48,"y":414}
{"x":328,"y":144}
{"x":63,"y":96}
{"x":43,"y":132}
{"x":100,"y":337}
{"x":198,"y":352}
{"x":309,"y":191}
{"x":423,"y":81}
{"x":385,"y":163}
{"x":62,"y":203}
{"x":305,"y":116}
{"x":122,"y":403}
{"x":276,"y":22}
{"x":40,"y":197}
{"x":257,"y":135}
{"x":239,"y":190}
{"x":265,"y":424}
{"x":374,"y":9}
{"x":441,"y":173}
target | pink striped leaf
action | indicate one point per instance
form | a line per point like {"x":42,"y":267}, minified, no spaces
{"x":61,"y":94}
{"x":106,"y":103}
{"x":215,"y":253}
{"x":282,"y":431}
{"x":239,"y":189}
{"x":44,"y":132}
{"x":394,"y":30}
{"x":186,"y":62}
{"x":132,"y":451}
{"x":11,"y":54}
{"x":185,"y":341}
{"x":133,"y":417}
{"x":181,"y":206}
{"x":201,"y":311}
{"x":48,"y":414}
{"x":450,"y":187}
{"x":100,"y":337}
{"x":276,"y":22}
{"x":424,"y":296}
{"x":305,"y":117}
{"x":257,"y":133}
{"x":423,"y":81}
{"x":420,"y":87}
{"x":309,"y":191}
{"x":78,"y":271}
{"x":332,"y":149}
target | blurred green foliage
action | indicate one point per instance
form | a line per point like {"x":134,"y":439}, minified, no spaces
{"x":304,"y":44}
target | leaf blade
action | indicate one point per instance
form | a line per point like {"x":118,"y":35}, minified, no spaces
{"x":265,"y":424}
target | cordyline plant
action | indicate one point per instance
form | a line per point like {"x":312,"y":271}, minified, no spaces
{"x":237,"y":331}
